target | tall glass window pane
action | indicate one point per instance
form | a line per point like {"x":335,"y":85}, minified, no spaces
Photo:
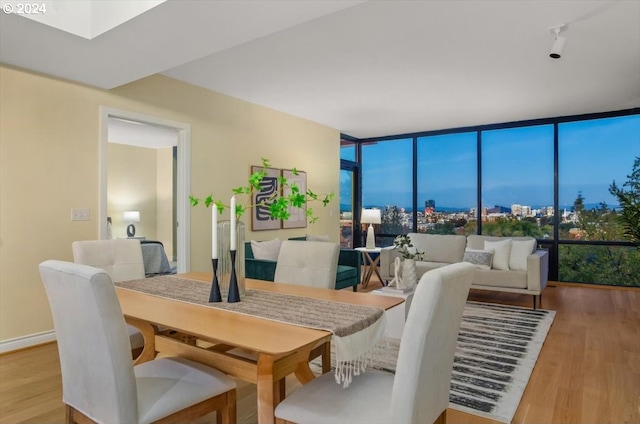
{"x":387,"y":184}
{"x":346,"y":208}
{"x":517,"y":182}
{"x":591,"y":155}
{"x":347,"y":150}
{"x":447,"y":184}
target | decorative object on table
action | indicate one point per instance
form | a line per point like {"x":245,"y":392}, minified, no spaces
{"x":228,"y":264}
{"x":131,"y":217}
{"x":397,"y":279}
{"x":403,"y":244}
{"x":370,"y":216}
{"x":263,"y":198}
{"x":279,"y":208}
{"x":297,"y":183}
{"x":215,"y":295}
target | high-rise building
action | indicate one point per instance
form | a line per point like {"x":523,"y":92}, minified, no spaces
{"x":429,"y":207}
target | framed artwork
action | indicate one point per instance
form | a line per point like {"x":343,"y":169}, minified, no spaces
{"x":260,"y":217}
{"x":298,"y":218}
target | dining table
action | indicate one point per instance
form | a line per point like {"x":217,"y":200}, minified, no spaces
{"x":250,"y":348}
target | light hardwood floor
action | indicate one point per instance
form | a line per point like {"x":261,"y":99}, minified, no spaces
{"x":588,"y":370}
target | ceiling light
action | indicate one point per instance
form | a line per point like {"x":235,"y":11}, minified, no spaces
{"x":558,"y":42}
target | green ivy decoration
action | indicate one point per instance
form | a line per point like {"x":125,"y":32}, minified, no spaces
{"x":278,"y":204}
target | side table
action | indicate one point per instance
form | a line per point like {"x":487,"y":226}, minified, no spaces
{"x":370,"y":264}
{"x":397,"y":315}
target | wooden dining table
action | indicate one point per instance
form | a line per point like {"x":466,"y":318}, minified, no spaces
{"x":253,"y":349}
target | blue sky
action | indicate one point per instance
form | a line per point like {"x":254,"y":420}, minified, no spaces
{"x":517,"y":165}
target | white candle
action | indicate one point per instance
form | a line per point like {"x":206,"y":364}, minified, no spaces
{"x":234,"y":242}
{"x":214,"y":232}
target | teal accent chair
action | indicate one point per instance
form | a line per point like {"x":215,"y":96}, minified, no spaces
{"x":348,"y":273}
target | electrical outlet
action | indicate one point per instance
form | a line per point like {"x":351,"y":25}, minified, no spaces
{"x":80,"y":214}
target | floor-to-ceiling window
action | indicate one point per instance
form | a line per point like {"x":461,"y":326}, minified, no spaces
{"x":349,"y":192}
{"x":447,"y":170}
{"x":592,"y":154}
{"x":517,"y":181}
{"x":387,"y":184}
{"x":547,"y":178}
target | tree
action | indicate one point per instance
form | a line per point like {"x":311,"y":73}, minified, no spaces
{"x":391,"y":221}
{"x":628,"y":196}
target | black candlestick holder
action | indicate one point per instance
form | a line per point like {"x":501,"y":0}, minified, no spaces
{"x":234,"y":293}
{"x":214,"y":295}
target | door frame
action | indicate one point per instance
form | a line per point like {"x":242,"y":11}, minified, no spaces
{"x":183,"y":214}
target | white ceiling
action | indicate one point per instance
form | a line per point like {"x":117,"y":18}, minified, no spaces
{"x":367,"y":68}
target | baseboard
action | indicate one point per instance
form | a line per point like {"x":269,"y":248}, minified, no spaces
{"x":27,"y":341}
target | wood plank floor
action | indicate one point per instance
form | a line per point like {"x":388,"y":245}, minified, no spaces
{"x":588,"y":370}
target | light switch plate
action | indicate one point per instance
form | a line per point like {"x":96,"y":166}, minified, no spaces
{"x":80,"y":214}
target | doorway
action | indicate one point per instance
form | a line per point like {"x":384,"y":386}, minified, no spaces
{"x":136,"y":152}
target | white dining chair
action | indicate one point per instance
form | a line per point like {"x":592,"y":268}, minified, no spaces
{"x":419,"y":391}
{"x":122,"y":260}
{"x":308,"y":263}
{"x":305,"y":263}
{"x":99,"y":381}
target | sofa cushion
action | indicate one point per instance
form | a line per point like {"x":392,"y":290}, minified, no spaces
{"x":266,"y":250}
{"x":520,"y":250}
{"x":439,"y":248}
{"x":501,"y":252}
{"x":497,"y":278}
{"x":482,"y":259}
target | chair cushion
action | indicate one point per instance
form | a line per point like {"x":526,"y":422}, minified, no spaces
{"x":366,"y":401}
{"x":345,"y":272}
{"x":267,"y":250}
{"x":169,"y":385}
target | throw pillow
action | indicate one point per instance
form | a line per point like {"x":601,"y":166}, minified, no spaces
{"x":480,"y":258}
{"x":501,"y":252}
{"x":266,"y":250}
{"x":317,"y":238}
{"x":520,"y":249}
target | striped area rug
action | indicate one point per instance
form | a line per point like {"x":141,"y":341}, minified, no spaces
{"x":498,"y":346}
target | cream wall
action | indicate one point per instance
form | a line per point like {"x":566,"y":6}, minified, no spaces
{"x":49,"y":131}
{"x":132,"y":185}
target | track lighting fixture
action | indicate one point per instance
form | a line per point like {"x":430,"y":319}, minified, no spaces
{"x":558,"y":42}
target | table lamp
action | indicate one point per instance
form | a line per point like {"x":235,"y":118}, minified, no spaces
{"x":370,"y":216}
{"x":131,"y":216}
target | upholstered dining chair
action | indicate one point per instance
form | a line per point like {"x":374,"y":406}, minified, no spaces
{"x":308,"y":263}
{"x":122,"y":260}
{"x":419,"y":391}
{"x":99,"y":380}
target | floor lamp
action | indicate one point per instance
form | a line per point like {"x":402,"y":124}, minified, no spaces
{"x":370,"y":216}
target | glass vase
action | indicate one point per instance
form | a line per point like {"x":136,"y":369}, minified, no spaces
{"x":224,"y":258}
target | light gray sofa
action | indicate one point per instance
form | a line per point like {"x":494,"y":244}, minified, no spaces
{"x":441,"y":250}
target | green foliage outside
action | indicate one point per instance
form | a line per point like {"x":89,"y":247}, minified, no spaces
{"x":611,"y":265}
